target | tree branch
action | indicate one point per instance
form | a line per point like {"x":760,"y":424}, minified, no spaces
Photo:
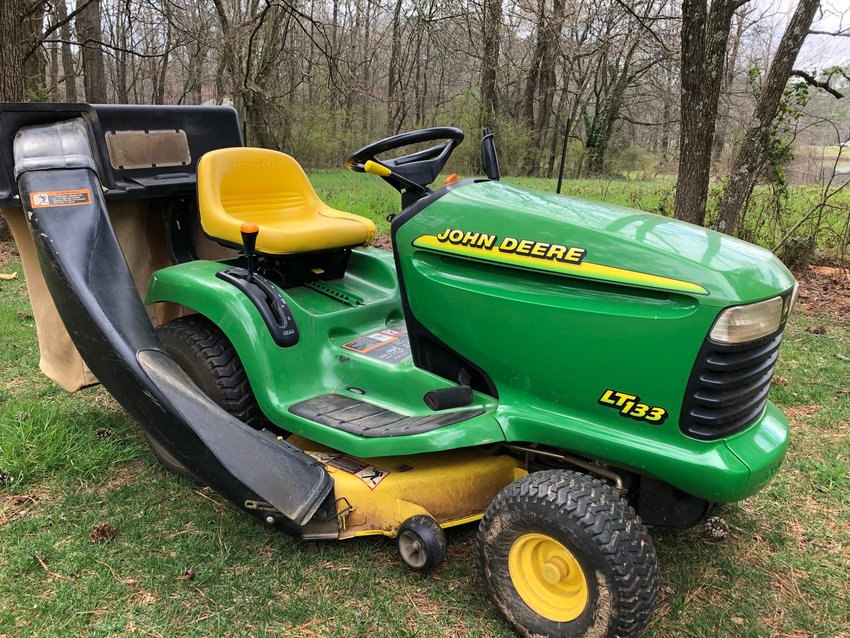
{"x":812,"y":81}
{"x":643,"y":24}
{"x":639,"y":123}
{"x":66,"y":19}
{"x":841,"y":33}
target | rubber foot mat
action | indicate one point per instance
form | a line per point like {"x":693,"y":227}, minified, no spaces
{"x":364,"y":419}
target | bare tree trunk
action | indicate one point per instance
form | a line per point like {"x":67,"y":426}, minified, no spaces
{"x":392,"y":79}
{"x":491,"y":31}
{"x":20,"y":76}
{"x":68,"y":72}
{"x":548,"y":81}
{"x":743,"y":174}
{"x":722,"y":125}
{"x":704,"y":36}
{"x":12,"y":50}
{"x":90,"y":36}
{"x":159,"y":97}
{"x":532,"y":81}
{"x":53,"y":72}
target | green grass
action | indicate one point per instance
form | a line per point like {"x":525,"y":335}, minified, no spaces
{"x":782,"y":572}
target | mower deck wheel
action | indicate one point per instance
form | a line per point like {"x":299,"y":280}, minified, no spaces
{"x":564,"y":555}
{"x":421,"y":543}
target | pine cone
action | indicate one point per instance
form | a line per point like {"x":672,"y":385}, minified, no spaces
{"x":103,"y":433}
{"x":716,"y":528}
{"x":4,"y":477}
{"x":102,"y":533}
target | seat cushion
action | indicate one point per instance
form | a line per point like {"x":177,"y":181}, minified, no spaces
{"x":237,"y":185}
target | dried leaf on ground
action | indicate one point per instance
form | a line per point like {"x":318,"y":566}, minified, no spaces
{"x":7,"y":276}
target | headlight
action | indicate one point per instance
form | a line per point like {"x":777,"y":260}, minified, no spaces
{"x":790,"y":300}
{"x":746,"y":323}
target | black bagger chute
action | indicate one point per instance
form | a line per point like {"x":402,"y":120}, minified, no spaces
{"x":56,"y":175}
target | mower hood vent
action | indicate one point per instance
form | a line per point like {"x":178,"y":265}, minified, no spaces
{"x":728,"y":387}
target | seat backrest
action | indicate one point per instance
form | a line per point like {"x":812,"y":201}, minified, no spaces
{"x":251,"y":185}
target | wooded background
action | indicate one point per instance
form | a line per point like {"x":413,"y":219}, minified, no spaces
{"x":705,"y":89}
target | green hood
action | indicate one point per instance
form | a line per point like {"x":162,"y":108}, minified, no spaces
{"x":621,"y":244}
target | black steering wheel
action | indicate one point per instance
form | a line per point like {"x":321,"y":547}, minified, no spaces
{"x":415,"y":170}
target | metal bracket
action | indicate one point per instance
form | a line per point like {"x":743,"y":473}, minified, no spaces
{"x":261,"y":506}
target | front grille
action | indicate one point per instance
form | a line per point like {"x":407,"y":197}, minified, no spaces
{"x":728,"y":387}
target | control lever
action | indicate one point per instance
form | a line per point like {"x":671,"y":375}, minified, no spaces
{"x":249,"y":231}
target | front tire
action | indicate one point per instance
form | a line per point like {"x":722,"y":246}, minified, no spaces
{"x":564,"y":555}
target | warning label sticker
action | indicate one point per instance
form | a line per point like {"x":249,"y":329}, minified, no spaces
{"x":390,"y":345}
{"x":369,"y":474}
{"x":48,"y":199}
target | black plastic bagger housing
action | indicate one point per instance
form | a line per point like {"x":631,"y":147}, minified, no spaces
{"x":63,"y":148}
{"x":205,"y":127}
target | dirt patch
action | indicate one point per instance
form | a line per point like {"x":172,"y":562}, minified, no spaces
{"x":122,"y":475}
{"x":383,"y":241}
{"x":824,"y":289}
{"x":105,"y":402}
{"x":8,"y":252}
{"x":17,"y":506}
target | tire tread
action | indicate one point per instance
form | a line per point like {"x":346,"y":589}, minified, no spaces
{"x":604,"y":516}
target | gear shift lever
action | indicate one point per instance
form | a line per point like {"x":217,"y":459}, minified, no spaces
{"x":249,"y":231}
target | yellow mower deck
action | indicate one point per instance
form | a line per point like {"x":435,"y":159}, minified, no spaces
{"x":375,"y":496}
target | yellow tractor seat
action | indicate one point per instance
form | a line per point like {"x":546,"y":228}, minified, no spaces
{"x":237,"y":185}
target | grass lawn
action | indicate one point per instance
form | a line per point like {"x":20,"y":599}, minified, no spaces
{"x":184,"y":562}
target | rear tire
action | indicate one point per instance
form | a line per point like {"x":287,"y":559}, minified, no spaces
{"x":167,"y":459}
{"x":564,"y":555}
{"x":203,"y":351}
{"x":205,"y":354}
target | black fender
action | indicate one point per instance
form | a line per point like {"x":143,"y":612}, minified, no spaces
{"x":91,"y":285}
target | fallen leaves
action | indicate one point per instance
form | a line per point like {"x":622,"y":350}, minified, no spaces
{"x":8,"y":276}
{"x":802,"y":411}
{"x":18,"y":506}
{"x":824,"y":289}
{"x":383,"y":241}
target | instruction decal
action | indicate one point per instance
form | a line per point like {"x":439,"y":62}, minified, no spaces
{"x":629,"y":405}
{"x":51,"y":199}
{"x":369,"y":474}
{"x":557,"y":258}
{"x":391,"y":345}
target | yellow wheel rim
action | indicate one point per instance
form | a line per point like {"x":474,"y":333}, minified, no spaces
{"x":548,"y":577}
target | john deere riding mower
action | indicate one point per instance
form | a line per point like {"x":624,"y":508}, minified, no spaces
{"x":563,"y":371}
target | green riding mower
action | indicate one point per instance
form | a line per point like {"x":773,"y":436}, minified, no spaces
{"x":563,"y":371}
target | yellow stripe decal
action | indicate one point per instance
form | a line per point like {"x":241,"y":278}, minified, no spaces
{"x":585,"y":269}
